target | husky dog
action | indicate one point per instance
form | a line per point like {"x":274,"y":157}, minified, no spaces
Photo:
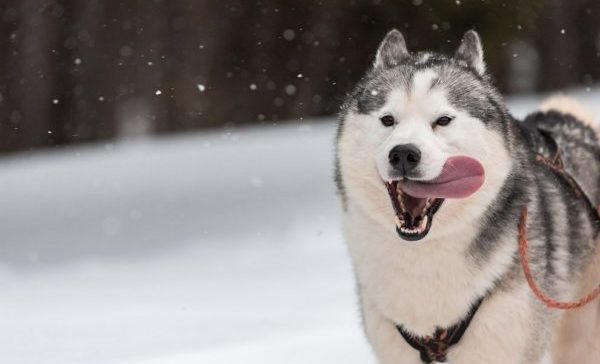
{"x":432,"y":173}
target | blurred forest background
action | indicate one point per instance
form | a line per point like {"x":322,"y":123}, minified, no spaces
{"x":73,"y":71}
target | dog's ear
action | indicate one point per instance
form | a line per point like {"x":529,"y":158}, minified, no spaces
{"x":392,"y":50}
{"x":470,"y":52}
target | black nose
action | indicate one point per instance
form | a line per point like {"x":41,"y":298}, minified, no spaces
{"x":404,"y":158}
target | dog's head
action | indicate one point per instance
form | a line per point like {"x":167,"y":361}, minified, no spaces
{"x":422,"y":135}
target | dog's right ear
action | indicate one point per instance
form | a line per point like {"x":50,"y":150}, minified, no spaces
{"x":470,"y":52}
{"x":392,"y":50}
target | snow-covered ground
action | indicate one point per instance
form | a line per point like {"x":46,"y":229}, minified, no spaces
{"x":205,"y":248}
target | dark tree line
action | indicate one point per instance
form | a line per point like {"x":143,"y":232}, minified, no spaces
{"x":82,"y":70}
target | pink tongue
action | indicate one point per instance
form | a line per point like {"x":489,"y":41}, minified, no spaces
{"x":461,"y":176}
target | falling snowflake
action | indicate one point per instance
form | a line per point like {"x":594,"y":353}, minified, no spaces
{"x":201,"y":87}
{"x":126,"y":51}
{"x":77,"y":61}
{"x":253,"y":86}
{"x":290,"y":89}
{"x":158,"y":92}
{"x":289,"y":34}
{"x":55,"y":101}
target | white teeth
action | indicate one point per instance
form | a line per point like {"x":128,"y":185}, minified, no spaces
{"x":424,"y":218}
{"x":423,"y":224}
{"x":409,"y":231}
{"x":399,"y":222}
{"x":401,"y":198}
{"x":420,"y":229}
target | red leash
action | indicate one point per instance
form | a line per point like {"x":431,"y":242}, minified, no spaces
{"x":548,"y":301}
{"x":557,"y":165}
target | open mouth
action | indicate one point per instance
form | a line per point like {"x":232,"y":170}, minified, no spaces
{"x":414,"y":215}
{"x":416,"y":202}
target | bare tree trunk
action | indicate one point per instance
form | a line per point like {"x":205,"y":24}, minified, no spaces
{"x":558,"y":50}
{"x":207,"y":47}
{"x":588,"y":36}
{"x":153,"y":51}
{"x":27,"y":100}
{"x":10,"y":112}
{"x":321,"y":63}
{"x":89,"y":58}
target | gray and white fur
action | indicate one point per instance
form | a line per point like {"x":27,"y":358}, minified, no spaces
{"x":471,"y":250}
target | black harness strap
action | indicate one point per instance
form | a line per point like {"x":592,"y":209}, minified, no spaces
{"x":435,"y":348}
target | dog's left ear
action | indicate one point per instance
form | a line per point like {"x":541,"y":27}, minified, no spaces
{"x":470,"y":52}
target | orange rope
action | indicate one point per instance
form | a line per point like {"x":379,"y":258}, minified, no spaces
{"x":548,"y":301}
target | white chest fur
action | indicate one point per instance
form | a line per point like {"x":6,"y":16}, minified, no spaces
{"x":420,"y":285}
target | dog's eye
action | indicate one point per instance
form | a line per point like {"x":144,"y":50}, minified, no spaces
{"x":387,"y":120}
{"x":443,"y":121}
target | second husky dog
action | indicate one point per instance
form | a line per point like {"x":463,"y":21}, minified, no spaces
{"x":432,"y":173}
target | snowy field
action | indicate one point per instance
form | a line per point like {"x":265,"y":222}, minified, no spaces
{"x":204,"y":248}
